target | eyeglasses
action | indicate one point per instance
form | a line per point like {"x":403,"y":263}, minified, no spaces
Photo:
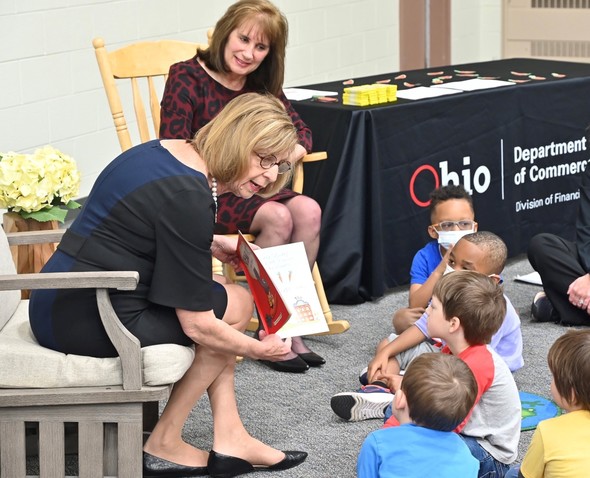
{"x":267,"y":162}
{"x":450,"y":225}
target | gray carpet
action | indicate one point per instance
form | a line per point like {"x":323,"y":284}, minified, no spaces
{"x":292,"y":412}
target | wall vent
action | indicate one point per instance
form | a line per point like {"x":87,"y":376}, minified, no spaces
{"x":550,"y":29}
{"x":560,"y":3}
{"x":560,"y":49}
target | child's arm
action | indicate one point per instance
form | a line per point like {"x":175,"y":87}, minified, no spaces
{"x":406,"y":317}
{"x":533,"y":463}
{"x":420,"y":294}
{"x":408,"y":339}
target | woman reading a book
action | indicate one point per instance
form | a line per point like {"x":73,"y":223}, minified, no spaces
{"x":136,"y":218}
{"x":247,"y":53}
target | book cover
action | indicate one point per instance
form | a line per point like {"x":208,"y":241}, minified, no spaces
{"x":286,"y":270}
{"x":271,"y":308}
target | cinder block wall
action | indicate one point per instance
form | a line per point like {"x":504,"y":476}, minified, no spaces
{"x":50,"y":88}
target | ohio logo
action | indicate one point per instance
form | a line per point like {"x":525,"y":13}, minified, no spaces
{"x":478,"y":181}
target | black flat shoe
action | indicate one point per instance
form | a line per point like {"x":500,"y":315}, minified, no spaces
{"x":294,"y":365}
{"x":312,"y":359}
{"x":224,"y":466}
{"x":154,"y":467}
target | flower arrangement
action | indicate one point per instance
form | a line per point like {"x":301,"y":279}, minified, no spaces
{"x":39,"y":185}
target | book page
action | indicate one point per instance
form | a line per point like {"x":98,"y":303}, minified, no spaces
{"x":288,"y":268}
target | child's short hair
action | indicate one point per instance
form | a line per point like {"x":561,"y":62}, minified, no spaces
{"x":440,"y":390}
{"x":569,"y":362}
{"x":476,"y":300}
{"x":493,"y":246}
{"x":450,"y":191}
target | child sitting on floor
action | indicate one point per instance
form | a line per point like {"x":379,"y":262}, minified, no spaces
{"x":482,"y":252}
{"x":559,"y":446}
{"x":466,"y":309}
{"x":436,"y":394}
{"x":451,"y":217}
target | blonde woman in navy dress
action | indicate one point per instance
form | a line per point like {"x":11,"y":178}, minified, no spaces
{"x":152,"y":210}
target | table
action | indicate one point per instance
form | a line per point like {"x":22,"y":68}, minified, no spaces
{"x":518,"y":149}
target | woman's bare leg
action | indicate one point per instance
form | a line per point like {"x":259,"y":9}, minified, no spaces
{"x":295,"y":220}
{"x":166,"y":439}
{"x":229,"y":435}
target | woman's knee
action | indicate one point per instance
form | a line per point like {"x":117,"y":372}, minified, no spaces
{"x":543,"y":245}
{"x":239,"y":306}
{"x":273,"y":217}
{"x":306,"y":212}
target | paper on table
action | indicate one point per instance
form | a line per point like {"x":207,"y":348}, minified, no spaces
{"x":421,"y":92}
{"x":300,"y":94}
{"x":474,"y":84}
{"x":531,"y":278}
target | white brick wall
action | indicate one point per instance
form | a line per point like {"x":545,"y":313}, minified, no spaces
{"x":476,"y":27}
{"x":50,"y":88}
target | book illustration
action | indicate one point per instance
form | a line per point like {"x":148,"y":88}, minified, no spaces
{"x":288,"y":267}
{"x":303,"y":311}
{"x":283,"y":289}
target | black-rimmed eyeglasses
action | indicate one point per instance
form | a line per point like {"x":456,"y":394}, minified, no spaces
{"x":270,"y":160}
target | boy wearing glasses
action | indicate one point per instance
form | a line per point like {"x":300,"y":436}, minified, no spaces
{"x":482,"y":252}
{"x":451,"y":217}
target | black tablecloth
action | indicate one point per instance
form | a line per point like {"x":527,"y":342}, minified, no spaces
{"x":384,"y":160}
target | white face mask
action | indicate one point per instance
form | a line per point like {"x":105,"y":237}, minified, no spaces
{"x":448,"y":270}
{"x":448,"y":238}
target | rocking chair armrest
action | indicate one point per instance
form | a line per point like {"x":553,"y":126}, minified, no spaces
{"x":121,"y":280}
{"x":34,"y":237}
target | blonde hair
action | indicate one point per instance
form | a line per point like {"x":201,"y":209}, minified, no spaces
{"x":269,"y":76}
{"x":250,"y":123}
{"x":440,"y":391}
{"x":476,"y":300}
{"x":569,"y":362}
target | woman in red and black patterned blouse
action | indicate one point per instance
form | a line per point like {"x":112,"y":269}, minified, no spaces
{"x":246,"y":53}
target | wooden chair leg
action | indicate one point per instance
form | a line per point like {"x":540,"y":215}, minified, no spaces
{"x":334,"y":326}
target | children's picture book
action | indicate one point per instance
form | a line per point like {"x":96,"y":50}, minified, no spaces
{"x":283,"y":289}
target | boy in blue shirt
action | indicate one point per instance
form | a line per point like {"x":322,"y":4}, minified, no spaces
{"x":451,"y":217}
{"x":436,"y":395}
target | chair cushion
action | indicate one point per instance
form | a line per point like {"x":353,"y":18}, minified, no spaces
{"x":8,"y":298}
{"x":26,"y":364}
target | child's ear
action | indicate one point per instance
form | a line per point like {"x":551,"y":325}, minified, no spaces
{"x":399,"y":400}
{"x":496,"y":278}
{"x":432,"y":232}
{"x":454,"y":324}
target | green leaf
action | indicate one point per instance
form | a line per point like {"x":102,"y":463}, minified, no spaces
{"x":53,"y":213}
{"x":73,"y":204}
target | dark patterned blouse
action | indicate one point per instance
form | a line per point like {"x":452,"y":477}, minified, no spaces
{"x":191,"y":99}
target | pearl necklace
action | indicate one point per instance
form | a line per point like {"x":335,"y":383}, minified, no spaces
{"x":214,"y":194}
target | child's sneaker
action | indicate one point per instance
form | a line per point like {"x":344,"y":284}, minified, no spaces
{"x":369,"y":402}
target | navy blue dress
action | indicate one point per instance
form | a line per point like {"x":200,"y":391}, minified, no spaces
{"x":150,"y":213}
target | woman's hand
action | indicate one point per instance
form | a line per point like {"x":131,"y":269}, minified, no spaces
{"x":579,"y":293}
{"x":275,"y":348}
{"x":224,"y":248}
